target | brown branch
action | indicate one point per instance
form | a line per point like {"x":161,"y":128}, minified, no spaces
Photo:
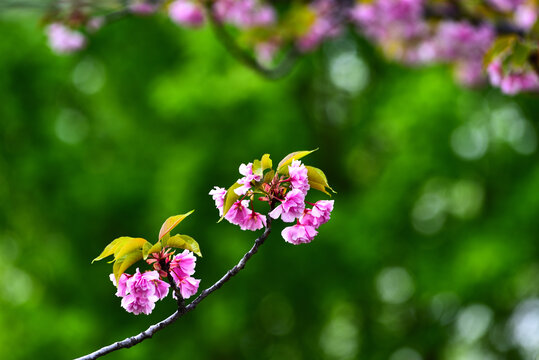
{"x":279,"y":71}
{"x":453,"y":11}
{"x":149,"y":332}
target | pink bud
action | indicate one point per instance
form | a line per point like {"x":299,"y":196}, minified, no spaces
{"x":186,"y":13}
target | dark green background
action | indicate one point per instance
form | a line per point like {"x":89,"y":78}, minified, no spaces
{"x":432,"y":244}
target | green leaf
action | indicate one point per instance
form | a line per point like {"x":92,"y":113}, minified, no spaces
{"x":318,"y":180}
{"x":298,"y":21}
{"x":534,"y":30}
{"x":184,"y":242}
{"x":266,"y":162}
{"x":150,"y":249}
{"x":171,"y":223}
{"x":123,"y":263}
{"x":502,"y":45}
{"x":287,"y":160}
{"x":520,"y":54}
{"x":112,"y":247}
{"x":130,"y":245}
{"x":259,"y":166}
{"x":269,"y":176}
{"x":230,"y":198}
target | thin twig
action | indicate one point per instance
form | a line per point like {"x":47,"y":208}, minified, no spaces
{"x":453,"y":11}
{"x":280,"y":70}
{"x":149,"y":332}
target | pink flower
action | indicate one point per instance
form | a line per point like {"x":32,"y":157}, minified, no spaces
{"x":122,"y":287}
{"x":506,"y":5}
{"x":244,"y":13}
{"x":142,"y":284}
{"x":137,"y":305}
{"x":298,"y":176}
{"x":512,"y":82}
{"x":183,"y":265}
{"x":139,"y":292}
{"x":143,"y":8}
{"x":186,"y":13}
{"x":238,"y":212}
{"x":188,"y":286}
{"x":248,"y":176}
{"x":461,"y":40}
{"x":388,"y":20}
{"x":218,"y":194}
{"x":324,"y":26}
{"x":322,"y":211}
{"x":161,"y":289}
{"x":525,"y":16}
{"x":318,"y":215}
{"x":495,"y":72}
{"x":254,"y":221}
{"x":63,"y":40}
{"x":470,"y":73}
{"x":265,"y":51}
{"x":291,"y":207}
{"x":299,"y":234}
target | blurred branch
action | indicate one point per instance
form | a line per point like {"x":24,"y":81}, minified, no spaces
{"x":149,"y":332}
{"x":282,"y":69}
{"x":453,"y":11}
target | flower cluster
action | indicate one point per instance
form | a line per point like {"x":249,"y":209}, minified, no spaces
{"x":415,"y":32}
{"x":181,"y":268}
{"x":512,"y":81}
{"x":140,"y":291}
{"x":325,"y":25}
{"x":284,"y":191}
{"x":400,"y":28}
{"x":244,"y":14}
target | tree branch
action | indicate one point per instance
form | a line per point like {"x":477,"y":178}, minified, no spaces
{"x":453,"y":11}
{"x":149,"y":332}
{"x":282,"y":69}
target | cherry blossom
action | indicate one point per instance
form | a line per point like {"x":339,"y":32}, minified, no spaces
{"x":247,"y":171}
{"x":218,"y":194}
{"x":186,"y":13}
{"x":298,"y":176}
{"x":299,"y":234}
{"x":291,"y":207}
{"x":140,"y":291}
{"x":183,"y":265}
{"x":238,"y":212}
{"x":63,"y":40}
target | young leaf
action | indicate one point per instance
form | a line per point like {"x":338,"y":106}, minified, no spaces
{"x":269,"y":176}
{"x":123,"y":263}
{"x":500,"y":47}
{"x":171,"y":223}
{"x":287,"y":160}
{"x":130,"y":245}
{"x":266,"y":162}
{"x":112,"y":247}
{"x":259,"y":166}
{"x":184,"y":242}
{"x":318,"y":180}
{"x":520,"y":54}
{"x":230,"y":198}
{"x":148,"y":249}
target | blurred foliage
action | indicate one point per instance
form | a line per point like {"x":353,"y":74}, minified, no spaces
{"x":431,"y":252}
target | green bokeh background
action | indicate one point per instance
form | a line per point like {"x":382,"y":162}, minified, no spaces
{"x":431,"y":252}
